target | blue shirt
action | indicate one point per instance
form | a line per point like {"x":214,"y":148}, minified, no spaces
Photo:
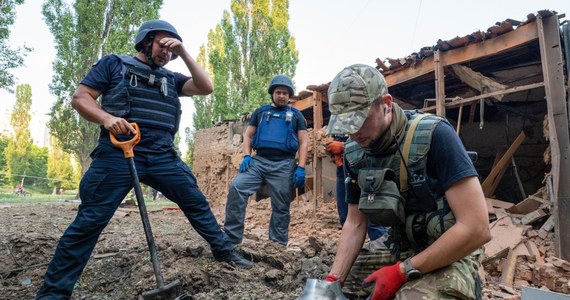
{"x":106,"y":74}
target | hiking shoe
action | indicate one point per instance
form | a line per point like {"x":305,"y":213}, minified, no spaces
{"x":236,"y":258}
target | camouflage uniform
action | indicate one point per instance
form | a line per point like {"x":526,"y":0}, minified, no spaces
{"x":350,"y":96}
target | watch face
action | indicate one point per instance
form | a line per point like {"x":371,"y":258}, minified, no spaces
{"x":411,"y":272}
{"x":414,"y":274}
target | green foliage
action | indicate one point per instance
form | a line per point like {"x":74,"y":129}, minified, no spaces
{"x":249,"y":46}
{"x":38,"y":169}
{"x":189,"y":157}
{"x":9,"y":58}
{"x":59,"y":168}
{"x":18,"y":152}
{"x":83,"y":33}
{"x":4,"y":140}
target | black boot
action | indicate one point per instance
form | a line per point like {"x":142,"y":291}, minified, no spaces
{"x":236,"y":258}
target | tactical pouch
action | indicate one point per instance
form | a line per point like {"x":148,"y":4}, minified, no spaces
{"x":380,"y":198}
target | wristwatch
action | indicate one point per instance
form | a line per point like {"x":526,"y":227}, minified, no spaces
{"x":411,"y":272}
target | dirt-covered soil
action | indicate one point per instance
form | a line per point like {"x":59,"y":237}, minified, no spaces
{"x":120,"y":267}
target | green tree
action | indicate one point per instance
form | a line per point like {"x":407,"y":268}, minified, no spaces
{"x":19,"y":150}
{"x":189,"y":157}
{"x":249,"y":46}
{"x":59,"y":168}
{"x":83,"y":33}
{"x":9,"y":58}
{"x":37,"y":172}
{"x":4,"y":140}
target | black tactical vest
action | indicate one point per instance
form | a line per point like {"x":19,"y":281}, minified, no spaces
{"x":426,"y":212}
{"x":145,"y":96}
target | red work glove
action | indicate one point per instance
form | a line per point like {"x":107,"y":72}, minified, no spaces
{"x":337,"y":159}
{"x":388,"y":281}
{"x":335,"y":147}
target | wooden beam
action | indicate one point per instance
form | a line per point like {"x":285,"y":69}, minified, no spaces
{"x":317,"y":161}
{"x":552,"y":64}
{"x":305,"y":103}
{"x":478,"y":81}
{"x":489,"y":184}
{"x":515,"y":89}
{"x":520,"y":36}
{"x":439,"y":84}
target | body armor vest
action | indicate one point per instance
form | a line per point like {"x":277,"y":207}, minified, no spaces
{"x":145,"y":96}
{"x":424,"y":213}
{"x":275,"y":130}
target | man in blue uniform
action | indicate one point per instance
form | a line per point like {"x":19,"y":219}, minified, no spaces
{"x":135,"y":89}
{"x":408,"y":171}
{"x":276,"y":132}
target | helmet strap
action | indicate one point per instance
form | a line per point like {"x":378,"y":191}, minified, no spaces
{"x":148,"y":49}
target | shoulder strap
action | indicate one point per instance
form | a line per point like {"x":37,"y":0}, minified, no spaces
{"x":406,"y":151}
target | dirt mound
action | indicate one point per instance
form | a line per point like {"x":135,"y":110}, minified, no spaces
{"x":120,"y":267}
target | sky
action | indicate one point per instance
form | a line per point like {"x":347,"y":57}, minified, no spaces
{"x":329,"y":35}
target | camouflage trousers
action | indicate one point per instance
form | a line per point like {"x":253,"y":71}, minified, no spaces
{"x":459,"y":280}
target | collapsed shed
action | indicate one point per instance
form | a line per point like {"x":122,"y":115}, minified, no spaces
{"x":505,"y":90}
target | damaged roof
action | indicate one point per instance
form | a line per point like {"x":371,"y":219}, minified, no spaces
{"x":507,"y":54}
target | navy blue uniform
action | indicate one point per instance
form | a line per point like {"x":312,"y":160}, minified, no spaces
{"x":108,"y":181}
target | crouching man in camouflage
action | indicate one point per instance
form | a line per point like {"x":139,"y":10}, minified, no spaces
{"x":409,"y":171}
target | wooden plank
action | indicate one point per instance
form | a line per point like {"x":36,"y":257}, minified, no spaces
{"x":306,"y":103}
{"x":526,"y":206}
{"x":508,"y":270}
{"x":317,"y":161}
{"x":503,"y":163}
{"x":439,"y":84}
{"x":470,"y":100}
{"x":522,"y":35}
{"x":478,"y":81}
{"x":559,"y":136}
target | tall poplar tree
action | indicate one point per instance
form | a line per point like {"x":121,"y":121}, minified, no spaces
{"x":4,"y":141}
{"x":251,"y":44}
{"x":59,"y":168}
{"x":83,"y":33}
{"x":9,"y":58}
{"x":19,"y":150}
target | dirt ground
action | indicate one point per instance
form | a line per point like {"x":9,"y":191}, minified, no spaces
{"x":120,"y":267}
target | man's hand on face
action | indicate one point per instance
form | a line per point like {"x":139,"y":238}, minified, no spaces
{"x":173,"y":44}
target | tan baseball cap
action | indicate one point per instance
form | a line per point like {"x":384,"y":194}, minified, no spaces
{"x":350,"y":94}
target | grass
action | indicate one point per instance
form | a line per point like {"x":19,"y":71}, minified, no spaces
{"x":7,"y":197}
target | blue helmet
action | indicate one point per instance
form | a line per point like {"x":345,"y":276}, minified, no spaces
{"x":281,"y":80}
{"x":152,"y":26}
